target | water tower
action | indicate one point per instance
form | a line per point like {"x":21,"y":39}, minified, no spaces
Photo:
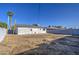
{"x":10,"y":14}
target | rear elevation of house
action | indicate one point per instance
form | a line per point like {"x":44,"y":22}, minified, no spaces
{"x":29,"y":29}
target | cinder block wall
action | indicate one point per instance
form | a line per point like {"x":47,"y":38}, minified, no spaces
{"x":3,"y":33}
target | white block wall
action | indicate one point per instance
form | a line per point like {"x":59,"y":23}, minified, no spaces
{"x":3,"y":32}
{"x":22,"y":30}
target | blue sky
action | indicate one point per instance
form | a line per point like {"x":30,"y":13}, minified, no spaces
{"x":47,"y":14}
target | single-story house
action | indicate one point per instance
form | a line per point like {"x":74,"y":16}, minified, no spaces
{"x":22,"y":29}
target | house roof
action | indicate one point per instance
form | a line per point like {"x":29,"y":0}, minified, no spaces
{"x":29,"y":26}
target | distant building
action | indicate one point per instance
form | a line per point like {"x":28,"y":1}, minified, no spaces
{"x":29,"y":29}
{"x":55,"y":27}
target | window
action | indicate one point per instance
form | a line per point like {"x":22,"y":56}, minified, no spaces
{"x":30,"y":29}
{"x":44,"y":29}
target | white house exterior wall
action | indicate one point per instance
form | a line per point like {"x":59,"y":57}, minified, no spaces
{"x":22,"y":30}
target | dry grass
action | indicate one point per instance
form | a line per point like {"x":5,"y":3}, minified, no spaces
{"x":14,"y":44}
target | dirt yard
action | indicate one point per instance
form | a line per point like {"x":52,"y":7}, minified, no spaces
{"x":43,"y":44}
{"x":16,"y":44}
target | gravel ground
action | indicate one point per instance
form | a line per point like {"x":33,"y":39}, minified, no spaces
{"x":62,"y":46}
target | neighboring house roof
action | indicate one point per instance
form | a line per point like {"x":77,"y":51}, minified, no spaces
{"x":29,"y":26}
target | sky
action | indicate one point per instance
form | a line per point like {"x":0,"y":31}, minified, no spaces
{"x":43,"y":14}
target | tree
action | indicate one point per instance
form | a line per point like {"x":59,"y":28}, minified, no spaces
{"x":3,"y":25}
{"x":35,"y":24}
{"x":49,"y":26}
